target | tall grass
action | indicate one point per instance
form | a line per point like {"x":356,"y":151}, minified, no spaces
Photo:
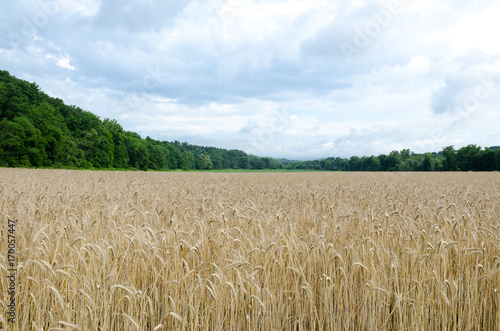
{"x":289,"y":251}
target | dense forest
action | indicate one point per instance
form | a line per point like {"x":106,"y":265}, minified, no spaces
{"x":37,"y":130}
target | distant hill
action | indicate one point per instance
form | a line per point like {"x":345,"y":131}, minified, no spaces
{"x":37,"y":130}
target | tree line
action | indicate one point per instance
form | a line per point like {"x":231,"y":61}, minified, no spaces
{"x":467,"y":158}
{"x":37,"y":130}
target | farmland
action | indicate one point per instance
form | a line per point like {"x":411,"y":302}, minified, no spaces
{"x":269,"y":251}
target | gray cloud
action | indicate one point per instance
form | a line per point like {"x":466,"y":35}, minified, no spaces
{"x":468,"y":83}
{"x":216,"y":71}
{"x":137,"y":16}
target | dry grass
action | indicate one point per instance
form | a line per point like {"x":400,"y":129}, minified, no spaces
{"x":280,"y":251}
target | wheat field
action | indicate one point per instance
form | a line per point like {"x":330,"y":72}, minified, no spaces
{"x":252,"y":251}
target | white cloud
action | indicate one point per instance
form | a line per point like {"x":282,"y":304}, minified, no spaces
{"x":64,"y":63}
{"x":268,"y":76}
{"x":476,"y":30}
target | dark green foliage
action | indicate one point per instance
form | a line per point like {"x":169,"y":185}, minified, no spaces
{"x":138,"y":153}
{"x":428,"y":163}
{"x":188,"y":160}
{"x":205,"y":162}
{"x":118,"y":136}
{"x":245,"y":162}
{"x":450,"y":158}
{"x":39,"y":131}
{"x":487,"y":160}
{"x":468,"y":158}
{"x":497,"y":160}
{"x":12,"y":138}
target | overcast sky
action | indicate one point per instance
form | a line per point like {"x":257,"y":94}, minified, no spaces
{"x":300,"y":79}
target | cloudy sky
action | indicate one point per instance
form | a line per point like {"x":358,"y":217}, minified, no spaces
{"x":300,"y":79}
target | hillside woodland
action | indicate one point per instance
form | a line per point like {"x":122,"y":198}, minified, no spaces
{"x":39,"y":131}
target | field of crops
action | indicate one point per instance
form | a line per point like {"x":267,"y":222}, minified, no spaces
{"x":251,"y":251}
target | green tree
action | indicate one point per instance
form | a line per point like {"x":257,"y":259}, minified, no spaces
{"x":497,"y":159}
{"x":450,"y":158}
{"x":189,"y":160}
{"x":486,"y":160}
{"x":468,"y":158}
{"x":233,"y":158}
{"x":205,"y":162}
{"x":3,"y":97}
{"x":174,"y":157}
{"x":157,"y":157}
{"x":138,"y":152}
{"x":102,"y":155}
{"x":120,"y":154}
{"x":354,"y":163}
{"x":438,"y":163}
{"x":405,"y":155}
{"x":33,"y":145}
{"x":404,"y":166}
{"x":217,"y":161}
{"x":257,"y":163}
{"x":393,"y":161}
{"x":245,"y":162}
{"x":329,"y":165}
{"x":428,"y":163}
{"x":12,"y":138}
